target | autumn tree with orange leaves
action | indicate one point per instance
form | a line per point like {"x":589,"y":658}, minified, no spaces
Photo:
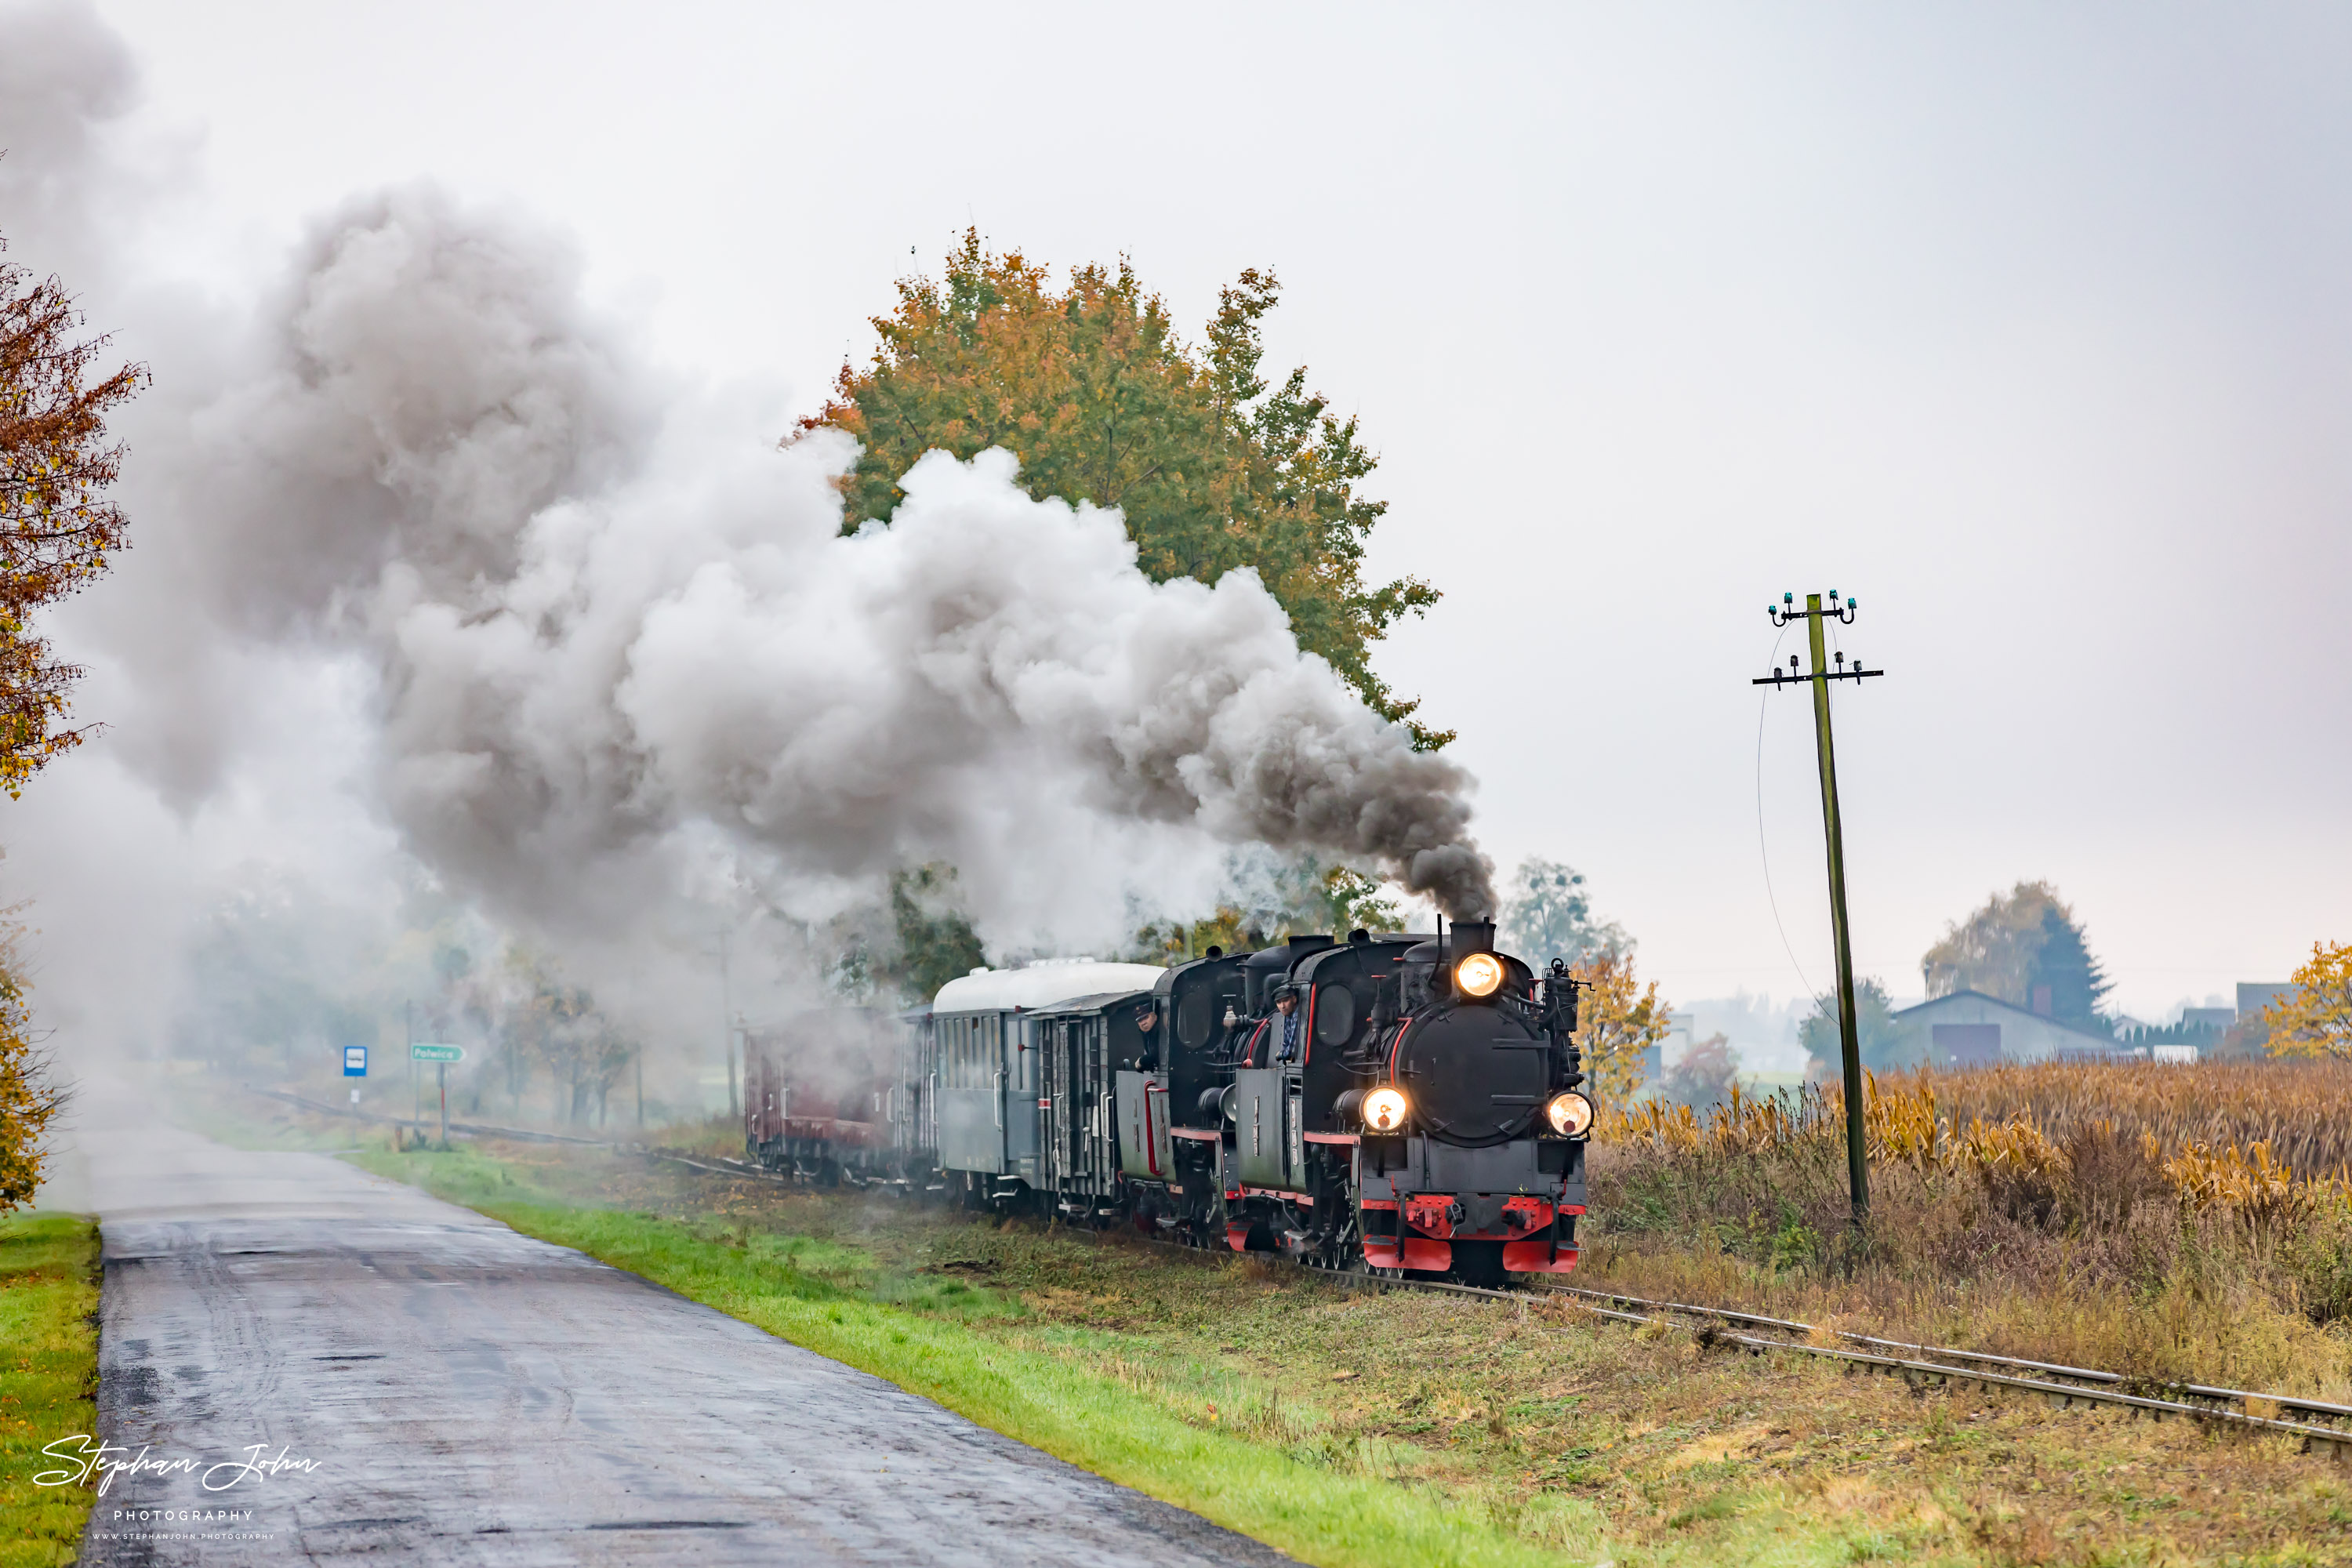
{"x":57,"y":531}
{"x":1213,"y":467}
{"x":1618,"y":1022}
{"x":2315,"y":1018}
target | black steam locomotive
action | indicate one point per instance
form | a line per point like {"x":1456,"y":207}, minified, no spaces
{"x":1394,"y":1102}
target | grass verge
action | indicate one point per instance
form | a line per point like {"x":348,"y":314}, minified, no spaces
{"x":1122,"y":1415}
{"x":1368,"y":1428}
{"x":48,"y":1372}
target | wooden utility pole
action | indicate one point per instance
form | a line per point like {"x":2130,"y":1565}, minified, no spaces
{"x":1849,"y":1037}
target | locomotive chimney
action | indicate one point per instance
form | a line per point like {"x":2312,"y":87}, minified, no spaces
{"x":1470,"y":959}
{"x":1469,"y":936}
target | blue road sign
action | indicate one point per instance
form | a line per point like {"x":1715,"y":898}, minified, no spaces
{"x":355,"y":1061}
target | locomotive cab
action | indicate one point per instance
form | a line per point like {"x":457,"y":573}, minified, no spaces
{"x":1172,"y":1102}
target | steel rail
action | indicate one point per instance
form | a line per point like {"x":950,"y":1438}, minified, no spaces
{"x":744,"y":1170}
{"x":2111,"y":1379}
{"x":2316,"y":1439}
{"x":464,"y":1129}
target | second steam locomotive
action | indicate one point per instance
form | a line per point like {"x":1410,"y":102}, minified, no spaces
{"x":1406,"y":1103}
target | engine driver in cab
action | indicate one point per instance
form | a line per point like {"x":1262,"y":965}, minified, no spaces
{"x":1285,"y":1010}
{"x":1147,"y":1020}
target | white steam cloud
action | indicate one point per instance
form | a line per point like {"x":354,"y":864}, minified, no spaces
{"x":623,"y":660}
{"x":601,"y":630}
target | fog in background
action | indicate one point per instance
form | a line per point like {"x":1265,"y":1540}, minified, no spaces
{"x":2022,"y":327}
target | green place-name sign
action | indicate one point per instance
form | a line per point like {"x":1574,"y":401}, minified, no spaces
{"x":437,"y":1052}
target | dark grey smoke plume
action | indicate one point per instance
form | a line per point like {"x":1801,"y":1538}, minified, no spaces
{"x":625,"y":659}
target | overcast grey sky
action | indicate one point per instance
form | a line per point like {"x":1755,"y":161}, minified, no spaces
{"x":2026,"y":325}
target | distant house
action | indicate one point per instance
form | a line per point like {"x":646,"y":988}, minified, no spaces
{"x":1682,"y":1033}
{"x":2253,"y":998}
{"x":1969,"y":1029}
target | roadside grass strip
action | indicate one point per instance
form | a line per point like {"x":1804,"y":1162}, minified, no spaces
{"x":48,"y":1370}
{"x":1368,"y":1426}
{"x":1116,"y":1420}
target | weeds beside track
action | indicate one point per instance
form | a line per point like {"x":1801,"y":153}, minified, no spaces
{"x":2064,"y":1386}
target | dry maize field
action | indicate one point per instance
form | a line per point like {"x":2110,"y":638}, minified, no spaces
{"x":2166,"y":1221}
{"x":2226,"y":1131}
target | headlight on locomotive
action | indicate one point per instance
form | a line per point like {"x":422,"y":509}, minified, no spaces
{"x":1571,"y":1114}
{"x":1385,"y":1109}
{"x":1480,"y":975}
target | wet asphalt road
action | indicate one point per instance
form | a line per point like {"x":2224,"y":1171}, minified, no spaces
{"x":470,"y":1396}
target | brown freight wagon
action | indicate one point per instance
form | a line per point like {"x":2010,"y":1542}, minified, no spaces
{"x":822,"y":1096}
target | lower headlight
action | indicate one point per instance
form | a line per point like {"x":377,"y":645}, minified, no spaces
{"x":1385,"y":1109}
{"x":1571,"y":1114}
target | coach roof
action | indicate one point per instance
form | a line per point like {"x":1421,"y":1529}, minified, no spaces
{"x":1040,"y":985}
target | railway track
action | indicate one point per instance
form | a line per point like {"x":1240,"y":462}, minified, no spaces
{"x":2062,"y":1387}
{"x":423,"y":1124}
{"x":2247,"y":1401}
